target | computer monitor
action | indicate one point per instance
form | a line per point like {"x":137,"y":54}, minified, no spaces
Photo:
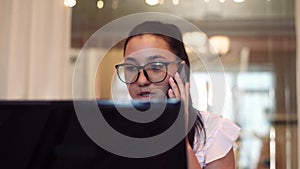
{"x":49,"y":135}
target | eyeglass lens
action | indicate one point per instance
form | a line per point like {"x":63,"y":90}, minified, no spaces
{"x":154,"y":72}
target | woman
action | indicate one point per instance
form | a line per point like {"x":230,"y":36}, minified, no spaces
{"x":154,"y":63}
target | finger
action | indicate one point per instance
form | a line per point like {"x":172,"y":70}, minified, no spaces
{"x":174,"y":88}
{"x":171,"y":94}
{"x":180,"y":85}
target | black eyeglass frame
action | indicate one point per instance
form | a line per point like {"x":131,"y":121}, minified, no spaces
{"x":139,"y":68}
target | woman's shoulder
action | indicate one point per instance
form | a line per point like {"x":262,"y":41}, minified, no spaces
{"x":221,"y":134}
{"x":213,"y":122}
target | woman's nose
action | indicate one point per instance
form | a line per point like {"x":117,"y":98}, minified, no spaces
{"x":143,"y":78}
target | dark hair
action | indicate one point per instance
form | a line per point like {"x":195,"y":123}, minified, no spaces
{"x":173,"y":36}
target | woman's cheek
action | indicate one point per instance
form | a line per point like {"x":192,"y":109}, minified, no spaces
{"x":165,"y":86}
{"x":131,"y":90}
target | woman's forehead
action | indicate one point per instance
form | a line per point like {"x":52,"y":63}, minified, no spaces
{"x":151,"y":54}
{"x":148,"y":46}
{"x":146,"y":41}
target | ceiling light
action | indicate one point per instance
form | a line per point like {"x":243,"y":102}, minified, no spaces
{"x":69,"y":3}
{"x":100,"y":4}
{"x":238,"y":1}
{"x":152,"y":2}
{"x":196,"y":40}
{"x":222,"y":1}
{"x":220,"y":44}
{"x":175,"y":2}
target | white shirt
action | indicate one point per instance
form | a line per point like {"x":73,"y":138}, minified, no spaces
{"x":221,"y":135}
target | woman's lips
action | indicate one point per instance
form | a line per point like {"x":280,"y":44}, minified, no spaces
{"x":144,"y":94}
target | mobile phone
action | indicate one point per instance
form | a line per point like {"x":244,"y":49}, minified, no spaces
{"x":183,"y":72}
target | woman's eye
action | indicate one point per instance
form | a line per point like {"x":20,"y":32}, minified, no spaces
{"x":130,"y":68}
{"x":157,"y":67}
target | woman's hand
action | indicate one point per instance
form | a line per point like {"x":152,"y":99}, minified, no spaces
{"x":182,"y":91}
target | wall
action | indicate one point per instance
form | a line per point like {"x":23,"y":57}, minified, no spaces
{"x":297,"y":16}
{"x":34,"y":50}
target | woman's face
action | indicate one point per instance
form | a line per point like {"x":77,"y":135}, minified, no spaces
{"x":144,"y":49}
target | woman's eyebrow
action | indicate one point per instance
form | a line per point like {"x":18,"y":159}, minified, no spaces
{"x":130,"y":59}
{"x":150,"y":58}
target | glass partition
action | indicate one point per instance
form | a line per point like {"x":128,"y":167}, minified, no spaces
{"x":255,"y":41}
{"x":259,"y":66}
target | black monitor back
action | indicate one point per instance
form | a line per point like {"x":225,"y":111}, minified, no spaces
{"x":48,"y":135}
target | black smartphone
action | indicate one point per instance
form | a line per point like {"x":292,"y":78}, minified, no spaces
{"x":183,"y":70}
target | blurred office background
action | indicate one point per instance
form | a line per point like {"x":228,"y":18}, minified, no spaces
{"x":40,"y":41}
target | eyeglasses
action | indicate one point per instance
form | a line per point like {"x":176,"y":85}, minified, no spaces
{"x":155,"y":72}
